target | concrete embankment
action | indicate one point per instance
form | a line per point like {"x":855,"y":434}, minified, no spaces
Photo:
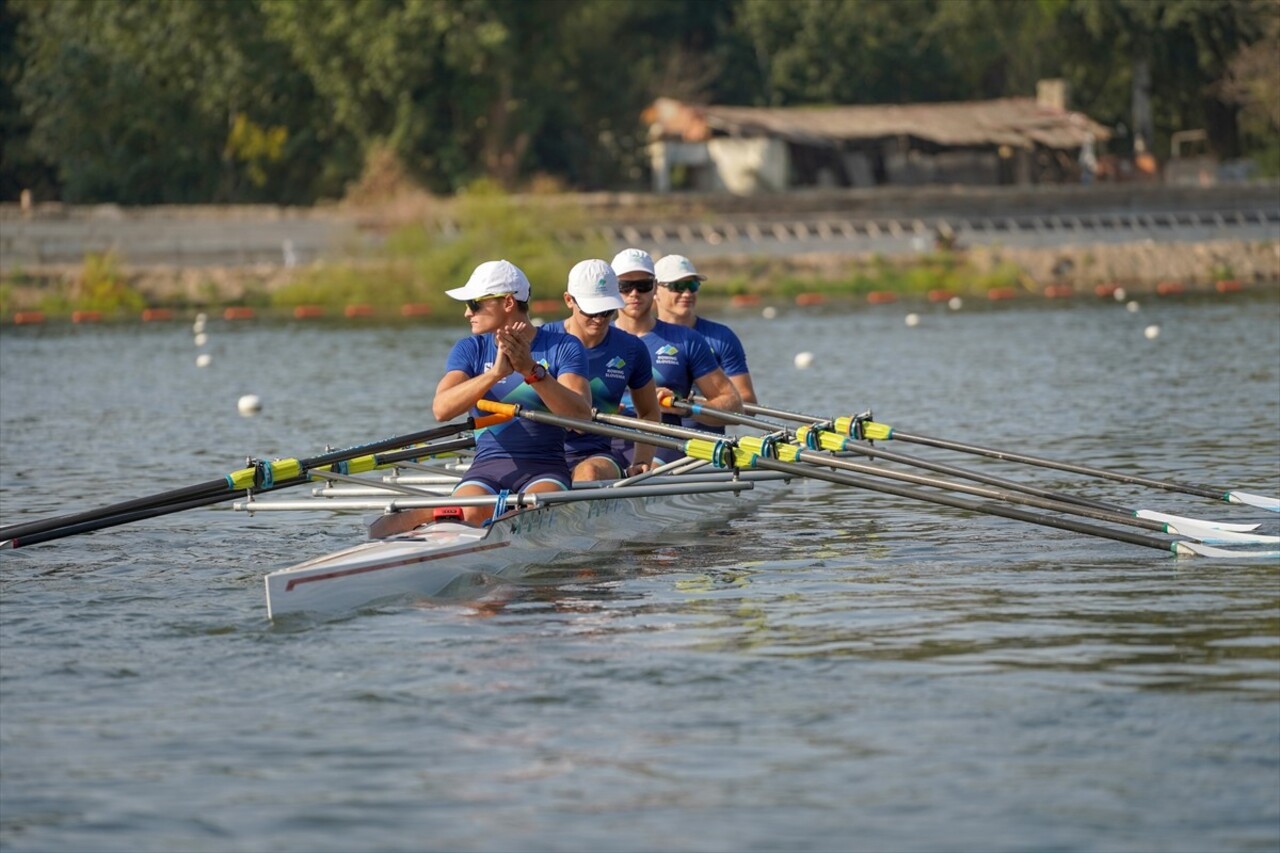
{"x":1137,"y":237}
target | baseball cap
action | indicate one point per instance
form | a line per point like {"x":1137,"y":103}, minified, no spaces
{"x":493,"y":278}
{"x":676,"y":268}
{"x":594,"y":286}
{"x":632,"y":260}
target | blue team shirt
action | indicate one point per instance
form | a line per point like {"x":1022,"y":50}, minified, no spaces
{"x":519,"y":438}
{"x":617,"y":364}
{"x":680,"y":356}
{"x":729,"y":353}
{"x":724,"y":344}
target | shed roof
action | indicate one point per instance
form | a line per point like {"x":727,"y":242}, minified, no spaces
{"x":1017,"y":122}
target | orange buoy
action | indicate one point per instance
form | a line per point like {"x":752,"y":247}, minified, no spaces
{"x":307,"y":312}
{"x":940,"y":295}
{"x":86,"y":316}
{"x":997,"y":294}
{"x":547,"y":306}
{"x":1059,"y":291}
{"x":151,"y":315}
{"x":1169,"y":288}
{"x":1228,"y":285}
{"x":360,"y":310}
{"x":810,"y":299}
{"x":881,"y":297}
{"x":415,"y":309}
{"x":1105,"y":291}
{"x":744,"y":300}
{"x":238,"y":312}
{"x":28,"y":318}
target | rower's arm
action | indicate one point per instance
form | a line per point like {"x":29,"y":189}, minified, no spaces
{"x":458,"y":392}
{"x":567,"y":395}
{"x":645,"y":400}
{"x":720,"y":394}
{"x":745,"y":387}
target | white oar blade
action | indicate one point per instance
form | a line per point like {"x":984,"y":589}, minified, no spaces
{"x":1212,"y":536}
{"x":1198,"y":522}
{"x":1260,"y":501}
{"x":1188,"y":548}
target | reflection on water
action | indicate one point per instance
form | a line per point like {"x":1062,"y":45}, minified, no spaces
{"x":833,"y":669}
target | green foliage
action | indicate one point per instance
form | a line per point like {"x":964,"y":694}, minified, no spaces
{"x":149,"y":101}
{"x":102,"y":287}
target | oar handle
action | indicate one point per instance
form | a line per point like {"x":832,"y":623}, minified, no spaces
{"x":505,"y":410}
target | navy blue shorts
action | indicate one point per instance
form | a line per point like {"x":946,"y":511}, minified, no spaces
{"x":514,"y":475}
{"x":612,"y":455}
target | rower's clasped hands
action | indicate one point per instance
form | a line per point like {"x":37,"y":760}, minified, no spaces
{"x":514,"y":353}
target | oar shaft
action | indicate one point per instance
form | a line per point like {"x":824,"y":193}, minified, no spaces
{"x":1217,"y":493}
{"x":1204,"y":491}
{"x":221,"y":486}
{"x":878,"y":453}
{"x":820,"y":473}
{"x":972,"y":506}
{"x":87,"y":525}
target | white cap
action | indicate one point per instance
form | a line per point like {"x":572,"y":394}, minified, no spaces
{"x":632,"y":260}
{"x":676,"y":268}
{"x":594,"y":286}
{"x":493,"y":278}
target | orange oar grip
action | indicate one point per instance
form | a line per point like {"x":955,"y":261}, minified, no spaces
{"x":493,"y":406}
{"x":666,"y":400}
{"x":490,"y":420}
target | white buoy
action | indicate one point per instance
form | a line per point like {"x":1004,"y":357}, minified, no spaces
{"x":1119,"y":294}
{"x":249,"y":404}
{"x":198,"y":325}
{"x":769,"y":312}
{"x":803,"y":360}
{"x":201,"y":339}
{"x":1132,"y":306}
{"x":913,"y":320}
{"x":1152,"y":332}
{"x":203,"y":359}
{"x":537,"y":322}
{"x":955,"y":303}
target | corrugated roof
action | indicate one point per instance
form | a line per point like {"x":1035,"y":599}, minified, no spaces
{"x":1017,"y":122}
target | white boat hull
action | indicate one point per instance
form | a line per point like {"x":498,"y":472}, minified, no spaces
{"x":447,"y":559}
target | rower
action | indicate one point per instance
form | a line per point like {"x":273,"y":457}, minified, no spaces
{"x":681,"y":357}
{"x":617,"y":363}
{"x":508,"y":360}
{"x":677,"y":302}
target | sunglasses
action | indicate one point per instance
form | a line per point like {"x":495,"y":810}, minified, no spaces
{"x":599,"y":315}
{"x":690,"y":285}
{"x":474,"y":304}
{"x":643,"y":285}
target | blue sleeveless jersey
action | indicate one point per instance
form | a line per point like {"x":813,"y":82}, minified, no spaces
{"x":617,"y":364}
{"x":519,"y":438}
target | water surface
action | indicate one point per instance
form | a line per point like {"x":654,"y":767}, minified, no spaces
{"x":836,"y":670}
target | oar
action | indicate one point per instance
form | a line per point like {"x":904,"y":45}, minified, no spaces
{"x":749,"y":452}
{"x":261,"y":476}
{"x":883,"y":432}
{"x":808,"y":436}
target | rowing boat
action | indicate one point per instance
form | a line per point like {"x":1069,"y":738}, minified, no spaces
{"x":444,"y":559}
{"x":414,"y":554}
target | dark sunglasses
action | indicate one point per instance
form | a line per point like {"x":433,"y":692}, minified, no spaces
{"x":690,"y":285}
{"x":474,"y":304}
{"x":599,"y":315}
{"x":643,"y":285}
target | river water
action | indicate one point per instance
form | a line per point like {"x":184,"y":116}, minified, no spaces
{"x":837,"y":670}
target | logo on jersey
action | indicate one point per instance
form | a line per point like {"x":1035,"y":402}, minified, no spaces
{"x":616,"y":368}
{"x":666,"y":349}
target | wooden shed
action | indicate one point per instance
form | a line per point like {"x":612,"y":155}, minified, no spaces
{"x":747,"y":150}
